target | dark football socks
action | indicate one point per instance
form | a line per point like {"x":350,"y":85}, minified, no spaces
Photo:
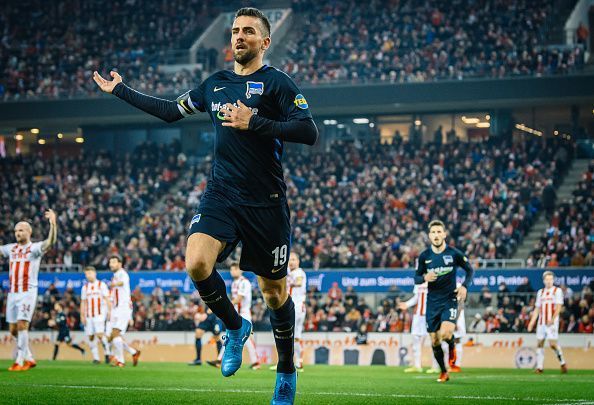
{"x":283,"y":327}
{"x":438,"y":353}
{"x":214,"y":294}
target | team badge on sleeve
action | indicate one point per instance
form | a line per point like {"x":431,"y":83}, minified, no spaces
{"x":301,"y":102}
{"x":256,"y":88}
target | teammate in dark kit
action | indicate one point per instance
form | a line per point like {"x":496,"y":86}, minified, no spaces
{"x":437,"y":265}
{"x":254,"y":109}
{"x":63,"y":332}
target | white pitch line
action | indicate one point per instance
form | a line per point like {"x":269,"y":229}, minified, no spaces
{"x":338,"y":394}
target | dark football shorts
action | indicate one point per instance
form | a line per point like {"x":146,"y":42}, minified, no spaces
{"x":64,"y":336}
{"x":264,"y":233}
{"x":438,"y":311}
{"x":211,"y":324}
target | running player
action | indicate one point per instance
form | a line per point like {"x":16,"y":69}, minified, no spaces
{"x":61,"y":323}
{"x":241,"y":297}
{"x":24,"y":260}
{"x":95,"y":309}
{"x":121,"y":312}
{"x":419,"y":324}
{"x":255,"y":109}
{"x":437,"y":266}
{"x":206,"y":322}
{"x":549,"y":302}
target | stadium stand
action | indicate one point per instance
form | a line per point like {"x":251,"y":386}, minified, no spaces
{"x":96,"y":196}
{"x":568,"y":241}
{"x":408,"y":41}
{"x":339,"y":41}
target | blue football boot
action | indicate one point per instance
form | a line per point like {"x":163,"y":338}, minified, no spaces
{"x":233,"y":342}
{"x":286,"y":386}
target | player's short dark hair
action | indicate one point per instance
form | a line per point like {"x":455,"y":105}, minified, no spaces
{"x":117,"y":257}
{"x":436,"y":222}
{"x":254,"y":12}
{"x":234,"y":264}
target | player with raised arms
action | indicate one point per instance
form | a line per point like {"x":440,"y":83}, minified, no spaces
{"x":437,"y":266}
{"x":24,"y":259}
{"x":254,"y":109}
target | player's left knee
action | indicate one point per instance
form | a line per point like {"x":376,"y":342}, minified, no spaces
{"x":273,"y":299}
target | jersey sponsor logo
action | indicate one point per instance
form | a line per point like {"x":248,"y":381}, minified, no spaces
{"x":218,"y":88}
{"x":440,"y":271}
{"x":255,"y":88}
{"x":195,"y":219}
{"x":301,"y":102}
{"x":220,"y":107}
{"x":447,"y":259}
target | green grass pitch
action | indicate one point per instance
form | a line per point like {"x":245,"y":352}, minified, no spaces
{"x":64,"y":382}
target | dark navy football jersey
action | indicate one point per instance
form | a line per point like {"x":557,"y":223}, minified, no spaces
{"x":61,"y":321}
{"x":247,"y":167}
{"x":444,"y":264}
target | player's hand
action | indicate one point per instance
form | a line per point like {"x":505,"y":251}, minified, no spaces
{"x":237,"y":117}
{"x":107,"y":85}
{"x":402,"y":306}
{"x":430,"y":276}
{"x":461,"y":293}
{"x":83,"y":320}
{"x":50,"y":215}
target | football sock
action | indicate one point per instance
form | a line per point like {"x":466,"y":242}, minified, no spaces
{"x":214,"y":294}
{"x":283,"y":326}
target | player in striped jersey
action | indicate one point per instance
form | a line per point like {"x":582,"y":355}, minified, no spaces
{"x":24,"y":260}
{"x":419,"y":324}
{"x":241,"y":297}
{"x":121,"y":312}
{"x":549,"y":302}
{"x":95,"y":308}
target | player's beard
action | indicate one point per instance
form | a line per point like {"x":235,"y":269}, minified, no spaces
{"x":246,"y":57}
{"x":436,"y":245}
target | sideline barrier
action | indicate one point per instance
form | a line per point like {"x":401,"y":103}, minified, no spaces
{"x":391,"y":349}
{"x":362,"y":280}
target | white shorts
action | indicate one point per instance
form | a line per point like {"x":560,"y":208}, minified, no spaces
{"x":419,"y":325}
{"x":120,"y":320}
{"x":20,"y":306}
{"x":95,"y":326}
{"x":460,"y":330}
{"x":246,"y":315}
{"x":299,"y":323}
{"x":547,"y":332}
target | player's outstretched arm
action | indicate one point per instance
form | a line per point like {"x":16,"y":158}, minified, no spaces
{"x":297,"y":130}
{"x":52,"y":236}
{"x":164,"y":109}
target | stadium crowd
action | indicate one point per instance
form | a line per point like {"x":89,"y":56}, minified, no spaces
{"x":95,"y":195}
{"x":397,"y":41}
{"x":50,"y":49}
{"x":334,"y":311}
{"x":409,"y":41}
{"x":569,"y":240}
{"x":353,"y":204}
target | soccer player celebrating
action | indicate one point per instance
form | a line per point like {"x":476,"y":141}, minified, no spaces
{"x":121,"y":312}
{"x":437,"y":266}
{"x":95,"y":308}
{"x":61,"y":323}
{"x":254,"y":109}
{"x":24,"y":260}
{"x":419,"y":324}
{"x":549,"y":302}
{"x":241,"y":297}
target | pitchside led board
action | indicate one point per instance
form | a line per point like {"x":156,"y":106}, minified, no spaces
{"x":362,"y":280}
